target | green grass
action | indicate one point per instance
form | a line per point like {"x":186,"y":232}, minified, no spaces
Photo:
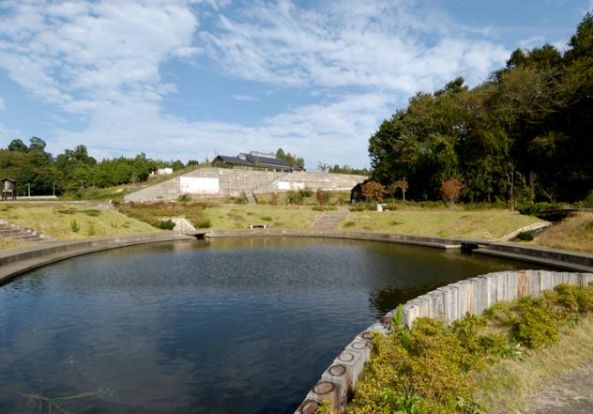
{"x":56,"y":220}
{"x":488,"y":224}
{"x":573,"y":233}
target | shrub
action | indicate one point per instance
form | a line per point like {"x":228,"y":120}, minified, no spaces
{"x":349,"y":224}
{"x":322,"y":197}
{"x":294,"y":197}
{"x":525,"y":236}
{"x":306,"y":192}
{"x":74,"y":226}
{"x":184,"y":198}
{"x":536,"y":324}
{"x":203,"y":224}
{"x":274,"y":198}
{"x":166,"y":224}
{"x":588,"y":201}
{"x":267,"y":218}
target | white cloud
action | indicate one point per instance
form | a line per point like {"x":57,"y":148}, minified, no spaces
{"x":357,"y":43}
{"x":244,"y":98}
{"x":101,"y":60}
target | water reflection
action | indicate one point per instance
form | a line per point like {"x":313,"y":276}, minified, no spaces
{"x":224,"y":326}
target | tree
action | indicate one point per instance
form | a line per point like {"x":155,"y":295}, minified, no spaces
{"x":321,"y":196}
{"x":451,"y":190}
{"x":323,"y":166}
{"x":373,"y":191}
{"x":36,"y":144}
{"x":17,"y":145}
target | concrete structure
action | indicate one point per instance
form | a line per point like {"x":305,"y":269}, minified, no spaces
{"x":449,"y":303}
{"x":15,"y":262}
{"x":220,"y":182}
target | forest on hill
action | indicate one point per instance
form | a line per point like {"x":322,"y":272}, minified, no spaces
{"x":526,"y":134}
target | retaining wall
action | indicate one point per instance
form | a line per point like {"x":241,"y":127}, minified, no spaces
{"x":233,"y":182}
{"x":15,"y":262}
{"x":449,"y":303}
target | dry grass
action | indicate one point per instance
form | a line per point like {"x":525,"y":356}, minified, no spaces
{"x":12,"y":243}
{"x":508,"y":386}
{"x":235,"y":216}
{"x":489,"y":224}
{"x":574,"y":233}
{"x":57,"y":220}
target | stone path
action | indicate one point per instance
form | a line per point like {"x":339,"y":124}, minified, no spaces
{"x":571,"y":393}
{"x":14,"y":232}
{"x":329,"y":220}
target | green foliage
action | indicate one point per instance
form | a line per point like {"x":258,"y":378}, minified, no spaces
{"x":294,"y":197}
{"x":74,"y":226}
{"x":363,"y":207}
{"x":588,"y":202}
{"x":154,"y":213}
{"x":525,"y":236}
{"x":267,"y":218}
{"x":306,"y":192}
{"x":432,"y":368}
{"x":184,"y":198}
{"x":521,"y":135}
{"x":203,"y":224}
{"x":166,"y":224}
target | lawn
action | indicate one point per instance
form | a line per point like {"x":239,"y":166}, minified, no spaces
{"x":70,"y":221}
{"x":573,"y":233}
{"x":487,"y":224}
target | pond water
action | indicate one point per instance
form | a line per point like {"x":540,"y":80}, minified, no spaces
{"x":226,"y":326}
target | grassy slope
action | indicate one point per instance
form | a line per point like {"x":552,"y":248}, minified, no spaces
{"x":574,"y":233}
{"x":55,"y":220}
{"x":508,"y":386}
{"x":442,"y":222}
{"x":234,"y":216}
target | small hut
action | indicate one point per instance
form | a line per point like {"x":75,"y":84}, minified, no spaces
{"x":8,"y":188}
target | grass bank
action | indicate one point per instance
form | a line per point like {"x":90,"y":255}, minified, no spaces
{"x":480,"y":364}
{"x":573,"y":233}
{"x":490,"y":224}
{"x":70,"y":221}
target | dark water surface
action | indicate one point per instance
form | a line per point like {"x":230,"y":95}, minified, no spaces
{"x":228,"y":326}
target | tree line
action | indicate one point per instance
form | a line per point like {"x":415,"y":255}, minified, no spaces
{"x":35,"y":168}
{"x":523,"y":135}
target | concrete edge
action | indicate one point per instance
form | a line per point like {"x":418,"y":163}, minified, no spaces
{"x":16,"y":262}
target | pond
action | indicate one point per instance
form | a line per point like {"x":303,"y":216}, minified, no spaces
{"x":221,"y":326}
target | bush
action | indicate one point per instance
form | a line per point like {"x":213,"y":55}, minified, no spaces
{"x":373,"y":191}
{"x":525,"y":236}
{"x":451,"y":190}
{"x":362,"y":207}
{"x":588,"y":201}
{"x":294,"y":197}
{"x":203,"y":224}
{"x":306,"y":192}
{"x":184,"y":198}
{"x":166,"y":224}
{"x":322,"y":197}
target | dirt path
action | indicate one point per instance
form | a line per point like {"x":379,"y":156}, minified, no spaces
{"x":571,"y":393}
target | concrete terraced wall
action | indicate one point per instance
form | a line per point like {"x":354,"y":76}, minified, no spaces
{"x":449,"y":303}
{"x":233,"y":182}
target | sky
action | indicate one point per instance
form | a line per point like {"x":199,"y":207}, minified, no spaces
{"x":189,"y":79}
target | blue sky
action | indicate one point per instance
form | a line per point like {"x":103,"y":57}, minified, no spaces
{"x":188,"y":79}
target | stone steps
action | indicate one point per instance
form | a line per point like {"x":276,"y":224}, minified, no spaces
{"x":14,"y":232}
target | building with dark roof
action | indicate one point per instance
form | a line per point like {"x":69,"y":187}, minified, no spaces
{"x":257,"y":160}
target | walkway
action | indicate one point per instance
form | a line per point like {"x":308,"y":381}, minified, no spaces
{"x":329,"y":220}
{"x":570,"y":393}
